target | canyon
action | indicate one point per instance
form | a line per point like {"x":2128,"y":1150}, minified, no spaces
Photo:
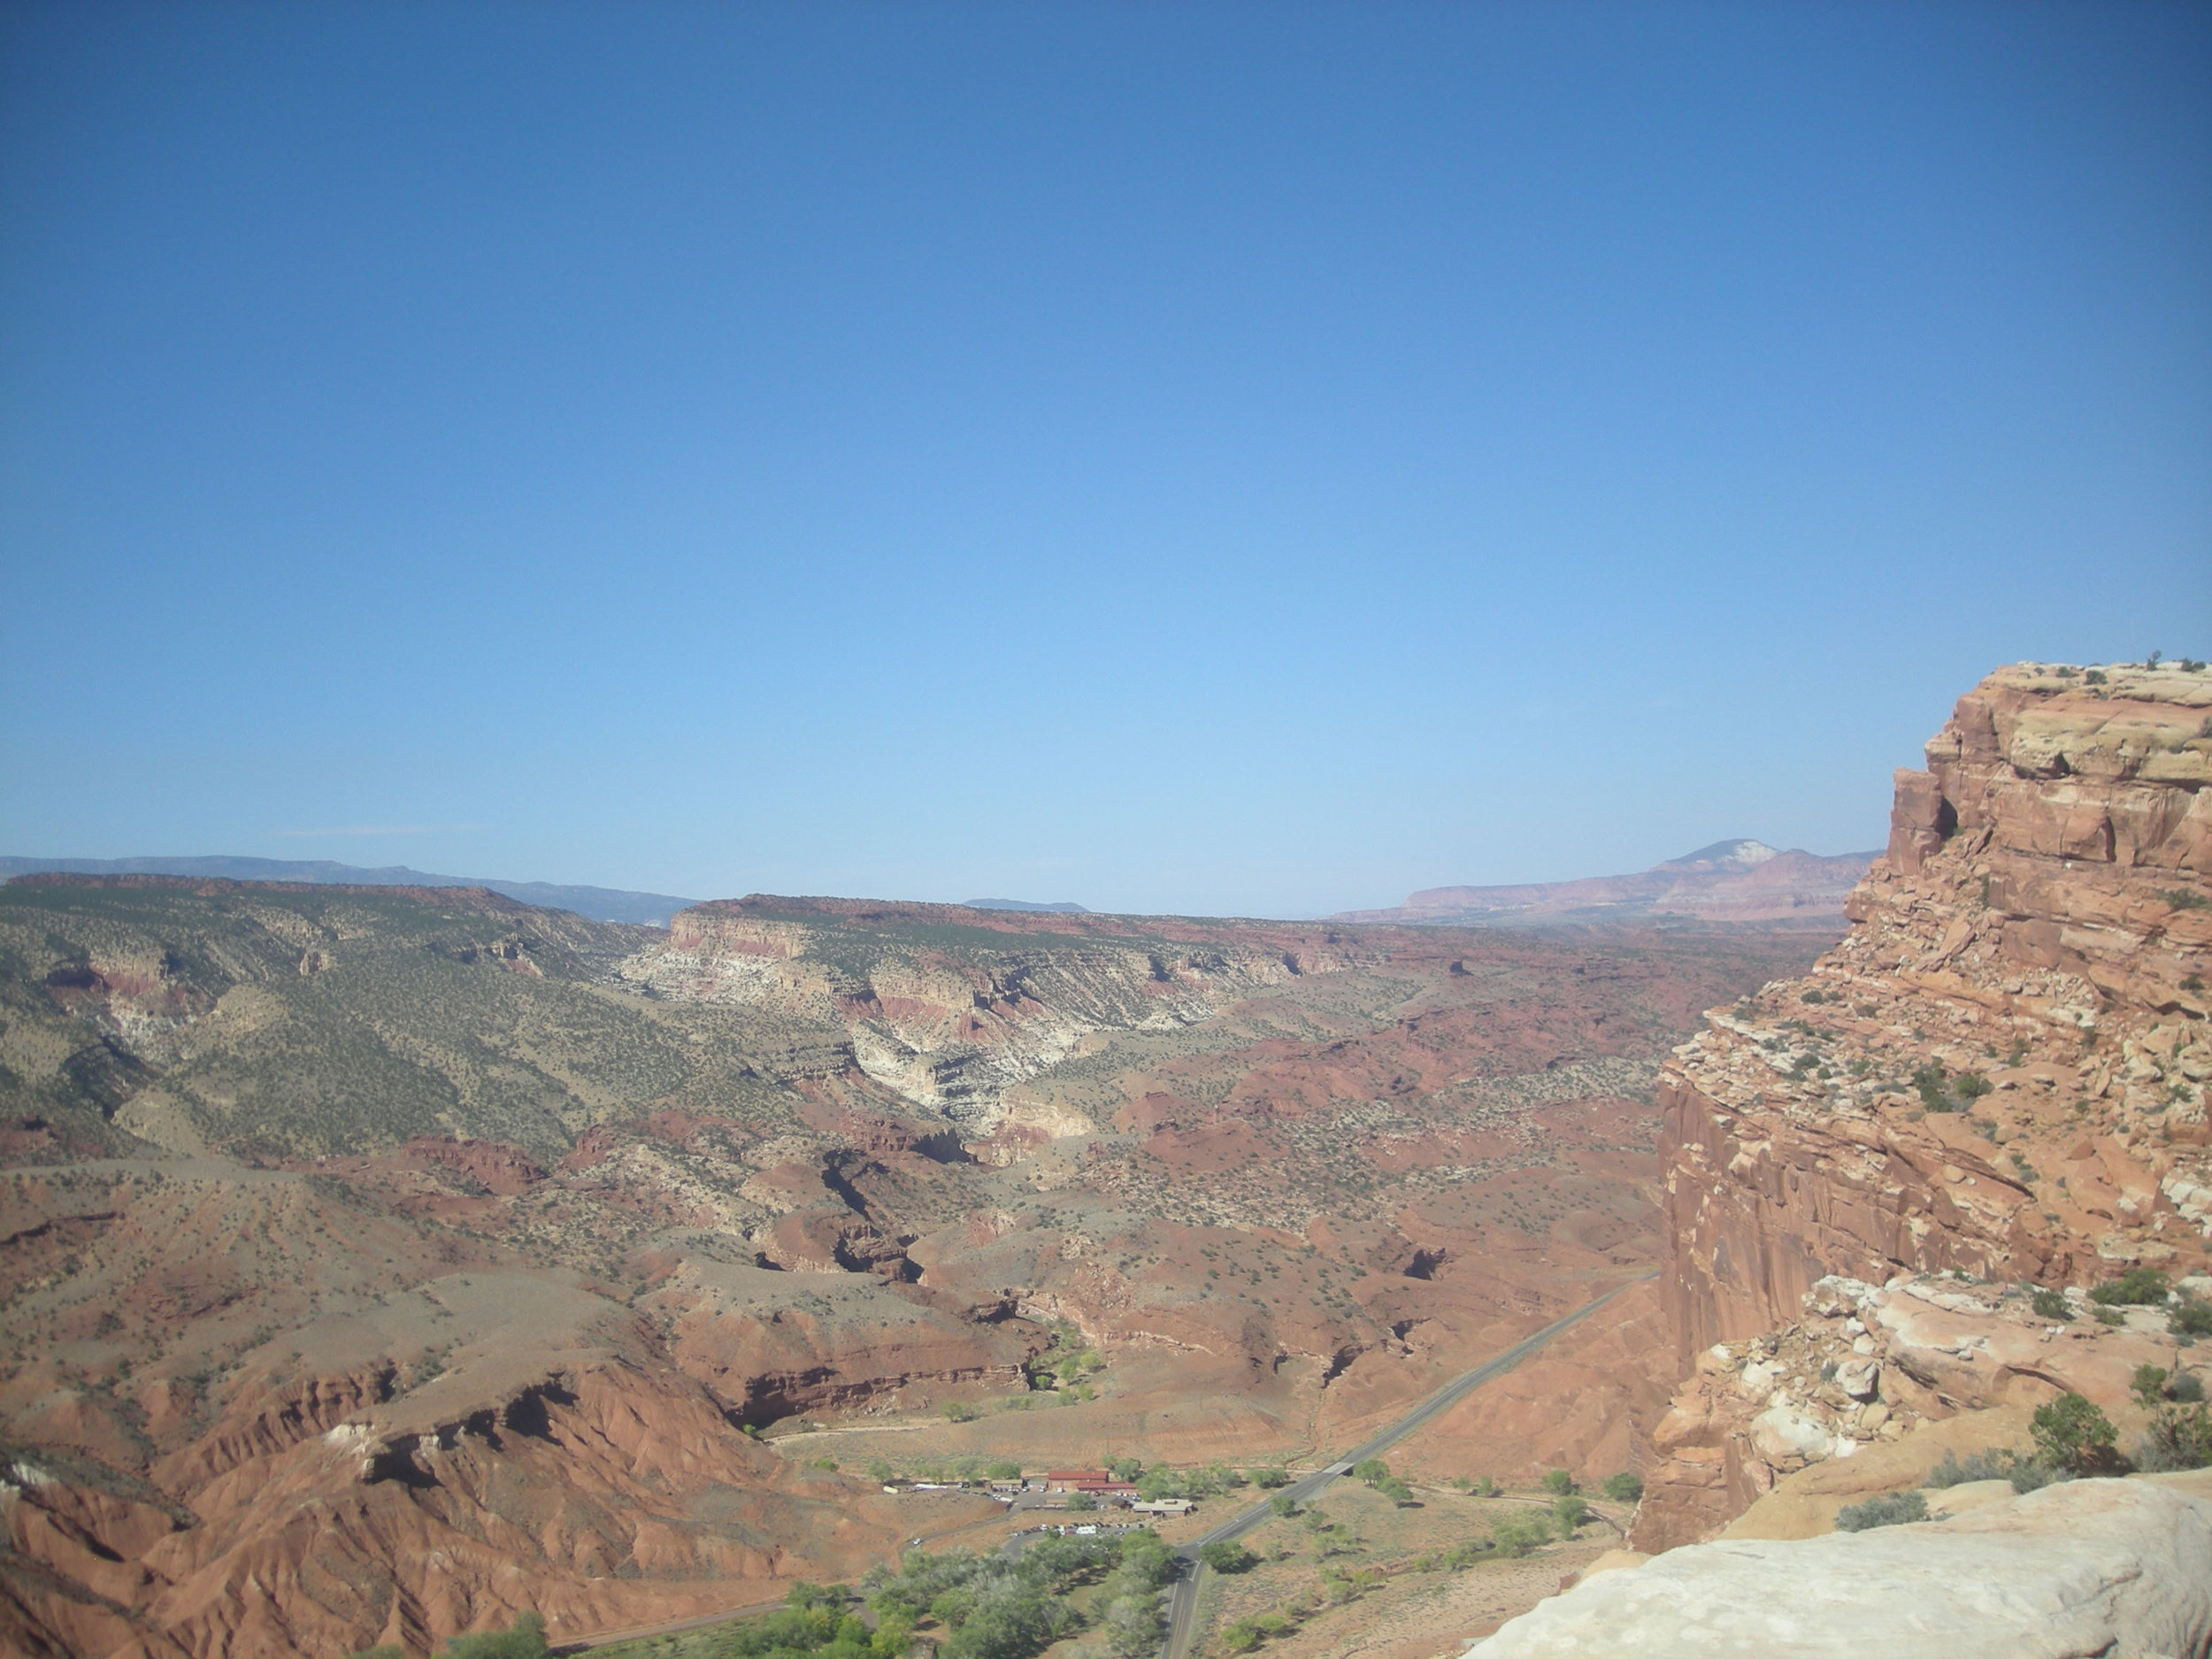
{"x":383,"y":1262}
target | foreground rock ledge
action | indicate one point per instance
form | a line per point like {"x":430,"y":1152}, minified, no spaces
{"x":2092,"y":1567}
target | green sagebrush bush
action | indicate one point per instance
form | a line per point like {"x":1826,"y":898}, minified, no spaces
{"x":1890,"y":1508}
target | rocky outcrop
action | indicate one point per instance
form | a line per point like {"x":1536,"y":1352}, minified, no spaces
{"x":1864,"y":1365}
{"x":2087,"y":1567}
{"x":1999,"y":1073}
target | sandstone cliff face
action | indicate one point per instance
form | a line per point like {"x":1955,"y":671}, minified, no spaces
{"x":1999,"y":1073}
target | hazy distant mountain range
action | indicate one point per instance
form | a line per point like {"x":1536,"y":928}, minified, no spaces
{"x":600,"y":905}
{"x":1728,"y":881}
{"x":1064,"y":907}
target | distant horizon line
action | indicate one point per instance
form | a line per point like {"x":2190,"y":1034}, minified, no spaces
{"x":535,"y":891}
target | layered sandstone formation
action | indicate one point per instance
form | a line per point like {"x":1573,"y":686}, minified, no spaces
{"x":1998,"y":1075}
{"x":954,"y":1006}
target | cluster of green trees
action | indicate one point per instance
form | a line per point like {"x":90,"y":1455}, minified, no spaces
{"x":1063,"y":1368}
{"x":1154,"y":1484}
{"x":1011,"y":1607}
{"x":1377,"y":1474}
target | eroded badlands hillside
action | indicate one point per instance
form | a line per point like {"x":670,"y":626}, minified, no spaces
{"x":1995,"y":1082}
{"x":378,"y":1263}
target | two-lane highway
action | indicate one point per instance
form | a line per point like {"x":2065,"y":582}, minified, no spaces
{"x":1182,"y":1609}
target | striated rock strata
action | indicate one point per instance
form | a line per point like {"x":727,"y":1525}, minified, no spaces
{"x":2000,"y":1073}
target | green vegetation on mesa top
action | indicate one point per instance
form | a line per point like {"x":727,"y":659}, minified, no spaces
{"x":312,"y":1019}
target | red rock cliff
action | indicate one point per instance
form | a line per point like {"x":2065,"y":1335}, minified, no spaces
{"x":2001,"y":1068}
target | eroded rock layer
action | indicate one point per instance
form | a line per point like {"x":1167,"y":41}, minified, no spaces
{"x":376,"y":1265}
{"x":2000,"y":1073}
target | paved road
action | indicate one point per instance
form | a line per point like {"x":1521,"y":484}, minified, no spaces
{"x":1182,"y":1607}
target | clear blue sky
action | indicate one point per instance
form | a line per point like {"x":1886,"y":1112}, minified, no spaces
{"x":1218,"y":458}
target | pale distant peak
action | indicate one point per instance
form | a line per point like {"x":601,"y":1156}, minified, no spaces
{"x":1736,"y":855}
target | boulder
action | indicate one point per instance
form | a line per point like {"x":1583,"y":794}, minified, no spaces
{"x":2086,"y":1567}
{"x":1860,"y":1378}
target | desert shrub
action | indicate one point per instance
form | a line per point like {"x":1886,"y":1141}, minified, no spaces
{"x":1515,"y":1535}
{"x":1930,"y":1080}
{"x":1888,"y":1509}
{"x":2138,"y":1287}
{"x":959,"y":1411}
{"x":1268,"y":1480}
{"x":1486,"y":1487}
{"x":2031,"y":1474}
{"x":2148,"y":1385}
{"x":2048,"y":1304}
{"x":1241,"y":1637}
{"x":1396,"y":1490}
{"x":525,"y":1639}
{"x":2073,"y":1434}
{"x":2185,"y":1386}
{"x":1228,"y":1557}
{"x":2179,"y":1437}
{"x":879,"y":1471}
{"x":2191,"y":1318}
{"x":1371,"y":1470}
{"x":1954,"y":1470}
{"x":1559,"y":1483}
{"x":1971,"y":1086}
{"x":1004,"y":1470}
{"x":1624,"y":1488}
{"x":1572,"y":1511}
{"x":1283,"y":1504}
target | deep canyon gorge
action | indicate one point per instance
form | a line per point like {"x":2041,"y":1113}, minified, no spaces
{"x":380,"y":1263}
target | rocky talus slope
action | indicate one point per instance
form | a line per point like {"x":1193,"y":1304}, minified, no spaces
{"x":1996,"y":1081}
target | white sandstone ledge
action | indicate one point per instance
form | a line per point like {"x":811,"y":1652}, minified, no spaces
{"x":2121,"y":1568}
